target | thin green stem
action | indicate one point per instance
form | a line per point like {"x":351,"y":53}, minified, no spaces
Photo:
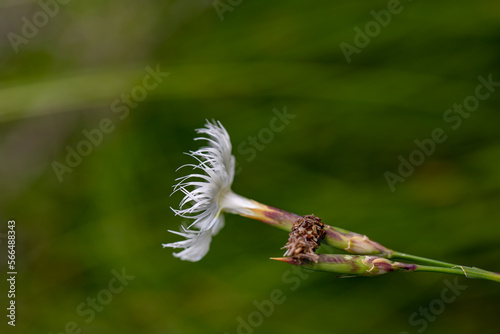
{"x":468,"y":272}
{"x":418,"y":259}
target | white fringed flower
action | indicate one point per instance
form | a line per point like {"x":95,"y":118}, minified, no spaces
{"x":208,"y":194}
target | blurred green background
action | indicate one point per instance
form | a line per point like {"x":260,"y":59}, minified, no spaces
{"x":352,"y":121}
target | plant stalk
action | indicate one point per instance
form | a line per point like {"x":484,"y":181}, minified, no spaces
{"x":469,"y":272}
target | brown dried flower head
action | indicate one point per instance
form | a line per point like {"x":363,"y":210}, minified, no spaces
{"x":305,"y":237}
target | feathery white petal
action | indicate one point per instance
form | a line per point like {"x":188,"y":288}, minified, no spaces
{"x":195,"y":246}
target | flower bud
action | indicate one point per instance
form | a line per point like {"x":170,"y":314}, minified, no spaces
{"x":353,"y":242}
{"x":349,"y":265}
